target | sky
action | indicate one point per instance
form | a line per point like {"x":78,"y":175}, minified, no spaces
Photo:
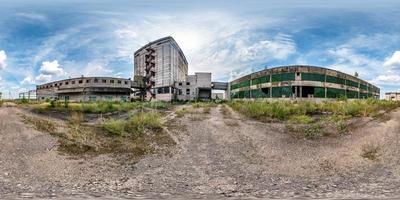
{"x":49,"y":40}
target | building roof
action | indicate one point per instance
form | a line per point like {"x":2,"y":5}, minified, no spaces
{"x":163,"y":40}
{"x":298,"y":66}
{"x":86,"y":77}
{"x":392,"y":93}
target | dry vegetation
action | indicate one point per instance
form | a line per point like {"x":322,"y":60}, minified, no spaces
{"x":132,"y":138}
{"x":92,"y":107}
{"x":370,"y":151}
{"x":311,"y":120}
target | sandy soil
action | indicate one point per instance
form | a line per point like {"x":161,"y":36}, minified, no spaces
{"x":216,"y":156}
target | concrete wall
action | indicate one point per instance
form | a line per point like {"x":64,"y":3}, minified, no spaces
{"x":393,"y":96}
{"x":193,"y":84}
{"x":105,"y":88}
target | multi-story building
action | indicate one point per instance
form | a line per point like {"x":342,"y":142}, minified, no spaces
{"x":161,"y":63}
{"x":195,"y":87}
{"x":393,"y":96}
{"x":86,"y":89}
{"x":301,"y":82}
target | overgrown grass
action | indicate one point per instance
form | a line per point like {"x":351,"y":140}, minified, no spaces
{"x":1,"y":103}
{"x":181,"y":112}
{"x":135,"y":126}
{"x":301,"y":119}
{"x":310,"y":120}
{"x":114,"y":126}
{"x":98,"y":107}
{"x":40,"y":124}
{"x":204,"y":104}
{"x":282,"y":110}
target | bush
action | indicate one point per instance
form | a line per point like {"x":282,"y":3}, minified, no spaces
{"x":76,"y":118}
{"x":113,"y":126}
{"x":181,"y":112}
{"x":52,"y":104}
{"x":142,"y":121}
{"x":135,"y":126}
{"x":301,"y":119}
{"x":283,"y":109}
{"x":206,"y":110}
{"x":370,"y":151}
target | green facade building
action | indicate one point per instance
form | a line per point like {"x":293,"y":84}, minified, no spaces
{"x":301,"y":82}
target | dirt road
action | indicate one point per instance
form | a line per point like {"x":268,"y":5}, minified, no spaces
{"x":216,"y":156}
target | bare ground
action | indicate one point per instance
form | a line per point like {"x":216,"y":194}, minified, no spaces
{"x":217,"y":155}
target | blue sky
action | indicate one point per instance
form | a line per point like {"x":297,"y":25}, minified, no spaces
{"x":52,"y":40}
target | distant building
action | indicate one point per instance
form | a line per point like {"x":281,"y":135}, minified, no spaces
{"x":1,"y":95}
{"x":392,"y":96}
{"x":195,"y":87}
{"x":86,"y":89}
{"x":161,"y":63}
{"x":301,"y":82}
{"x":160,"y":74}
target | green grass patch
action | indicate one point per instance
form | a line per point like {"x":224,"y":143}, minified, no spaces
{"x":181,"y":112}
{"x":98,"y":107}
{"x":135,"y":126}
{"x":301,"y":119}
{"x":282,"y":110}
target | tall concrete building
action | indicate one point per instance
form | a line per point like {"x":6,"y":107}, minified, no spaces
{"x":161,"y":63}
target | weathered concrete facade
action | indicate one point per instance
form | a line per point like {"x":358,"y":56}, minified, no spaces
{"x":162,"y":63}
{"x":301,"y":82}
{"x":196,"y":86}
{"x":86,"y":89}
{"x":392,"y":96}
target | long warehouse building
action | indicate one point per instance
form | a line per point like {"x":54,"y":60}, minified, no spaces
{"x":300,"y":81}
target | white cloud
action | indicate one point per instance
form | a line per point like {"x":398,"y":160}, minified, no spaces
{"x":27,"y":81}
{"x":212,"y":42}
{"x":51,"y":68}
{"x":32,"y":16}
{"x":393,"y":79}
{"x":43,"y":78}
{"x":3,"y":59}
{"x":393,"y":61}
{"x":98,"y":67}
{"x":349,"y":61}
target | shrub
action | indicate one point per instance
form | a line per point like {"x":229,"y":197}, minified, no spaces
{"x":370,"y":151}
{"x":135,"y":126}
{"x":142,"y":121}
{"x":52,"y":104}
{"x":76,"y":118}
{"x":40,"y":124}
{"x":206,"y":110}
{"x":116,"y":127}
{"x":301,"y":119}
{"x":181,"y":112}
{"x":225,"y":110}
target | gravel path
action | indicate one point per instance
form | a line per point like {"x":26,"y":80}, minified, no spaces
{"x":216,"y":156}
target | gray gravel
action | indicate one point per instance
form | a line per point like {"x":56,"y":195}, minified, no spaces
{"x":216,"y":156}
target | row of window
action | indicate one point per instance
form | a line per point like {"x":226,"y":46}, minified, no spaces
{"x":305,"y":77}
{"x":180,"y":83}
{"x":81,"y":82}
{"x":287,"y":91}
